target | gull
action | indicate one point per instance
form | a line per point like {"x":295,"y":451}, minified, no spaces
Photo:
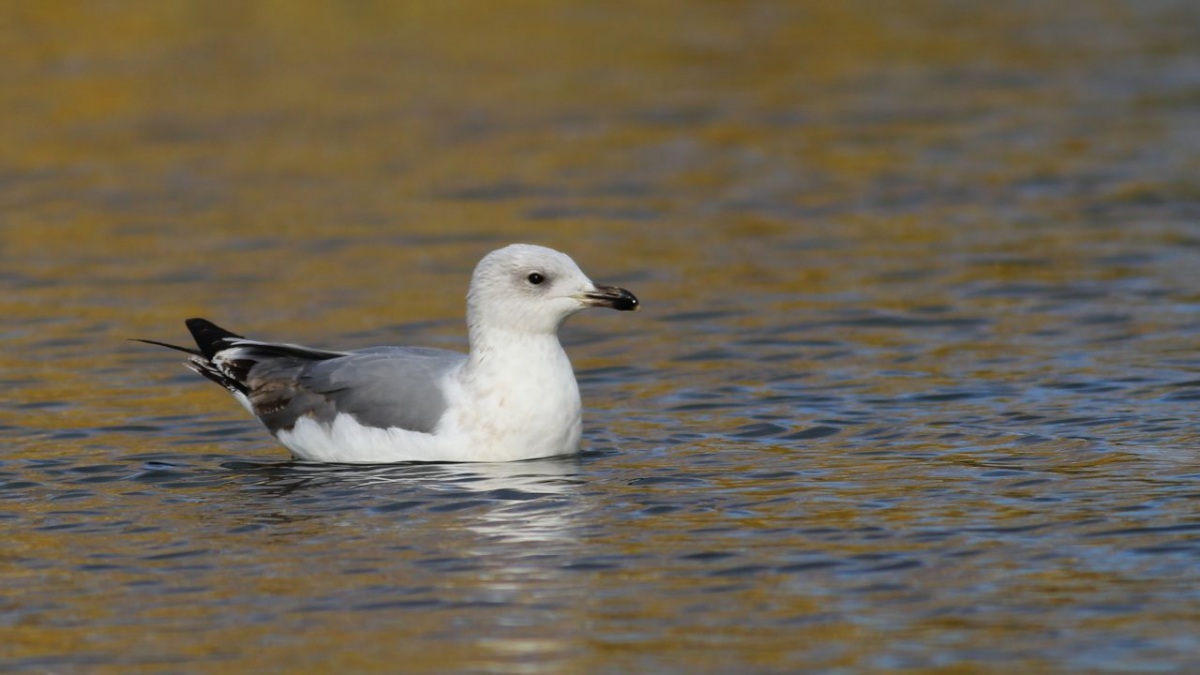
{"x":512,"y":397}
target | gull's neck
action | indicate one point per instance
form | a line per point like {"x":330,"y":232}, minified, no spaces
{"x":497,"y":347}
{"x":524,"y":401}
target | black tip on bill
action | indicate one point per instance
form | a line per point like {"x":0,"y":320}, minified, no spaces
{"x":613,"y":297}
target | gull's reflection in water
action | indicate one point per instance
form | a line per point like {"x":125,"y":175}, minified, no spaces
{"x":498,"y":539}
{"x":552,"y":476}
{"x":516,"y":501}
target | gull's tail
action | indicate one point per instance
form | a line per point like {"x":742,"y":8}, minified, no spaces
{"x":211,"y":340}
{"x":226,"y":358}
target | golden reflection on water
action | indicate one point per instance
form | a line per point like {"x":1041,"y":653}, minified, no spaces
{"x":324,"y":172}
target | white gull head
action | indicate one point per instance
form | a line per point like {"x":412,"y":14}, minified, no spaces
{"x":530,"y":289}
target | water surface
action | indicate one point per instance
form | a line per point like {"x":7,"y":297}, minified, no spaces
{"x":913,"y":387}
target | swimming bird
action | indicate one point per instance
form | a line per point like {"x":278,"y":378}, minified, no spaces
{"x":512,"y":397}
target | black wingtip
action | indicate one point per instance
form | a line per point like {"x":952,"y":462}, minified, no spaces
{"x":209,"y":335}
{"x":177,"y":348}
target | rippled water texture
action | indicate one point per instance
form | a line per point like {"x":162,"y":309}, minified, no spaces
{"x":915,"y":385}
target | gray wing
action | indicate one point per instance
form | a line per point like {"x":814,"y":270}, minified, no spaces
{"x":380,"y":387}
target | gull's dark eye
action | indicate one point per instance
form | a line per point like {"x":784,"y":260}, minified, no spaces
{"x":535,"y":278}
